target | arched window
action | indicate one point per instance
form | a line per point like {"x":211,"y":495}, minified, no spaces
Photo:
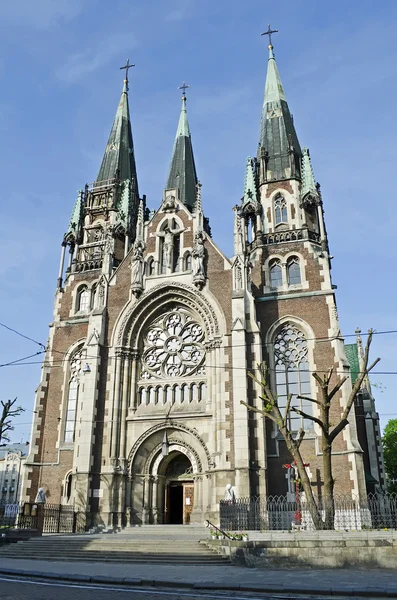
{"x":188,"y":261}
{"x":291,"y":357}
{"x":83,"y":299}
{"x":185,"y":393}
{"x":194,"y":392}
{"x":67,"y":489}
{"x":73,"y":394}
{"x":276,"y":274}
{"x":203,"y":391}
{"x":280,"y":210}
{"x":293,"y":271}
{"x":150,"y":267}
{"x":160,"y":395}
{"x":177,"y":394}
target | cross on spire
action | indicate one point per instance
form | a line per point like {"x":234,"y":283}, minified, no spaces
{"x":269,"y":33}
{"x":127,"y":66}
{"x":183,"y":87}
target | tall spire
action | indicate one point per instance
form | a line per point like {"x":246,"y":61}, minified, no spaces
{"x":278,"y":141}
{"x":119,"y":158}
{"x":182,"y":173}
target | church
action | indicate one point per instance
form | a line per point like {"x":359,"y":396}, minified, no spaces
{"x":138,"y":415}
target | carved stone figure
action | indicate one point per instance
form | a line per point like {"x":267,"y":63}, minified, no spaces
{"x":229,"y":493}
{"x":40,"y":496}
{"x":198,"y":255}
{"x":168,"y":235}
{"x":137,"y":267}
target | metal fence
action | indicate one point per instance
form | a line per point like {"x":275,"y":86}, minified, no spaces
{"x":49,"y":518}
{"x":376,"y":511}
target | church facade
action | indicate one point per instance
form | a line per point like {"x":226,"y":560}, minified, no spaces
{"x":138,"y":415}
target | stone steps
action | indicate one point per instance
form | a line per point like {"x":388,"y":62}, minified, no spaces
{"x":147,"y":544}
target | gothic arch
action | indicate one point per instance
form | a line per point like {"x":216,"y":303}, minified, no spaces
{"x":175,"y":427}
{"x":136,"y":315}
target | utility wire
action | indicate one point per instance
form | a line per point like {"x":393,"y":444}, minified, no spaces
{"x":23,"y":335}
{"x":229,"y":367}
{"x":18,"y":361}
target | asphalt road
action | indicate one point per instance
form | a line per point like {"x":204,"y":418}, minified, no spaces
{"x":35,"y":590}
{"x":11,"y":589}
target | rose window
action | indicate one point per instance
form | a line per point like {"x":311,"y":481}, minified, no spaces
{"x":173,"y":347}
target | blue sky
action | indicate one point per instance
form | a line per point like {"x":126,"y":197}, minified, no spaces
{"x":60,"y":85}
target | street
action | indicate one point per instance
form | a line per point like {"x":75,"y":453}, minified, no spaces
{"x":11,"y":589}
{"x":17,"y":590}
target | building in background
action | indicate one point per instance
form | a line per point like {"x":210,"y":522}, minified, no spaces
{"x":12,"y":465}
{"x":138,"y":416}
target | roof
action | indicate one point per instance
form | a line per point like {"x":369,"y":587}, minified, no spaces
{"x":352,"y":357}
{"x":119,"y":157}
{"x":23,"y":448}
{"x":277,"y":132}
{"x":182,"y":172}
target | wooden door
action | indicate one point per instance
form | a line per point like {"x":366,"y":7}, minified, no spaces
{"x":188,"y":499}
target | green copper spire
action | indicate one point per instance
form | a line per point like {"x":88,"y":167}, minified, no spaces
{"x":75,"y":223}
{"x":119,"y":158}
{"x":182,"y":173}
{"x":250,"y":195}
{"x":308,"y":181}
{"x":278,"y":142}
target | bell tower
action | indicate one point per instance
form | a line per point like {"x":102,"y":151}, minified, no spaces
{"x":284,"y":237}
{"x":103,"y":224}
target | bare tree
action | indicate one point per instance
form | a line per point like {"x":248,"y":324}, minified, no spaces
{"x":329,"y":431}
{"x":8,"y":411}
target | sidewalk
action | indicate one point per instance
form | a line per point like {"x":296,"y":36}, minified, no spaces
{"x":337,"y":582}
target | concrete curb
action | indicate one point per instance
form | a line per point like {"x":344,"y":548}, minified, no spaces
{"x":371,"y":592}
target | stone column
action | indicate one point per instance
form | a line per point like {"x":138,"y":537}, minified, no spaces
{"x":61,"y":264}
{"x":124,"y":405}
{"x":116,"y":406}
{"x":133,"y":393}
{"x":155,"y":509}
{"x":146,"y":500}
{"x":321,"y":222}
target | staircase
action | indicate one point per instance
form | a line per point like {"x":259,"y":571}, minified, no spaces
{"x":157,"y":544}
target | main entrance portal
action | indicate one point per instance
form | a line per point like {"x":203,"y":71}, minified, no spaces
{"x":179,"y":489}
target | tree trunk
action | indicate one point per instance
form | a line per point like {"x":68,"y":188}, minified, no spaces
{"x":307,"y":488}
{"x":328,"y":500}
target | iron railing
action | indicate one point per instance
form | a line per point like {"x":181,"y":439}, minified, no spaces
{"x":48,"y":518}
{"x":375,"y":511}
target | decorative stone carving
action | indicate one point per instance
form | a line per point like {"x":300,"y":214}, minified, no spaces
{"x":168,"y":244}
{"x":229,"y":493}
{"x":169,"y":203}
{"x":179,"y":293}
{"x":168,"y":425}
{"x":238,"y":275}
{"x":137,"y":268}
{"x":198,"y":255}
{"x":173,"y":347}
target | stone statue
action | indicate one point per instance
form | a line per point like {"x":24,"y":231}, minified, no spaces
{"x":229,"y":493}
{"x":168,"y":235}
{"x":40,"y":496}
{"x":198,"y":255}
{"x":137,"y":267}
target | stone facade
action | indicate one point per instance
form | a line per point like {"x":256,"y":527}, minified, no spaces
{"x":138,"y":416}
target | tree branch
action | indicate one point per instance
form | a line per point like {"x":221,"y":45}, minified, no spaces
{"x":336,"y":431}
{"x":310,"y":417}
{"x":258,"y":410}
{"x":310,"y":399}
